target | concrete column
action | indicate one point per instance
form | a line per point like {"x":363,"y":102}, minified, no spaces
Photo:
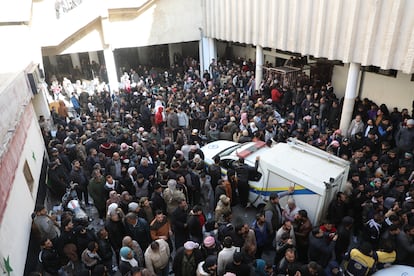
{"x":93,"y":56}
{"x":201,"y":54}
{"x":213,"y":49}
{"x":259,"y":66}
{"x":208,"y":51}
{"x":111,"y":69}
{"x":75,"y":60}
{"x":350,"y":95}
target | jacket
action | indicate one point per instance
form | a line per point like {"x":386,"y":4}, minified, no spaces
{"x":156,"y":261}
{"x":320,"y":249}
{"x":225,"y":257}
{"x":178,"y":261}
{"x":158,"y":229}
{"x":405,"y":139}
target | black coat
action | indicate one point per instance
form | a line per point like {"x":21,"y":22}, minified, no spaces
{"x":139,"y":232}
{"x":195,"y":228}
{"x":320,"y":249}
{"x":58,"y":181}
{"x":158,"y":202}
{"x":105,"y":249}
{"x":50,"y":260}
{"x":116,"y":232}
{"x":179,"y":222}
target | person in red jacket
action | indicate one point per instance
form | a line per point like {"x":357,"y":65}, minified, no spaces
{"x":276,"y":96}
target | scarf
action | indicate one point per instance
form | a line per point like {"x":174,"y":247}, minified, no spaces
{"x":110,"y":186}
{"x":132,"y":261}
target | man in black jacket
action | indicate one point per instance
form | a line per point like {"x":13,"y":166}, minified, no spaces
{"x":321,"y":247}
{"x":179,"y":223}
{"x":105,"y":248}
{"x":243,"y":171}
{"x":195,"y":228}
{"x":49,"y":257}
{"x":157,"y":201}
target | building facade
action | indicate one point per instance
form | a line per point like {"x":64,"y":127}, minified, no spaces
{"x":367,"y":46}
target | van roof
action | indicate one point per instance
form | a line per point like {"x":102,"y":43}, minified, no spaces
{"x":249,"y":148}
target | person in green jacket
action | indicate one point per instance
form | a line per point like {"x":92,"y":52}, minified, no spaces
{"x":98,"y":192}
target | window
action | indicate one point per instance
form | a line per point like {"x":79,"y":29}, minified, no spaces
{"x":377,"y":70}
{"x":28,"y":176}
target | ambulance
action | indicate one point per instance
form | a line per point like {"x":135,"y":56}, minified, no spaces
{"x":316,"y":175}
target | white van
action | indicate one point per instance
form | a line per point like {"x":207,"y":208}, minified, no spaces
{"x":316,"y":175}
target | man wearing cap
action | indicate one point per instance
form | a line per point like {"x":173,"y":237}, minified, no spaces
{"x":405,"y":137}
{"x":273,"y":211}
{"x":157,"y":200}
{"x":187,"y":259}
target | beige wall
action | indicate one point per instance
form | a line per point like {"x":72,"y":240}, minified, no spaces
{"x":339,"y":76}
{"x":394,"y":92}
{"x":162,"y":22}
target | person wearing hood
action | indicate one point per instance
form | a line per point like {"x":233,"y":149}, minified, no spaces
{"x":207,"y":194}
{"x":137,"y":251}
{"x":142,"y":186}
{"x":127,"y":261}
{"x":259,"y":266}
{"x":172,"y":196}
{"x":157,"y":257}
{"x":223,"y":206}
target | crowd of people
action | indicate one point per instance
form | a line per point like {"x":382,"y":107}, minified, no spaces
{"x":162,"y":209}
